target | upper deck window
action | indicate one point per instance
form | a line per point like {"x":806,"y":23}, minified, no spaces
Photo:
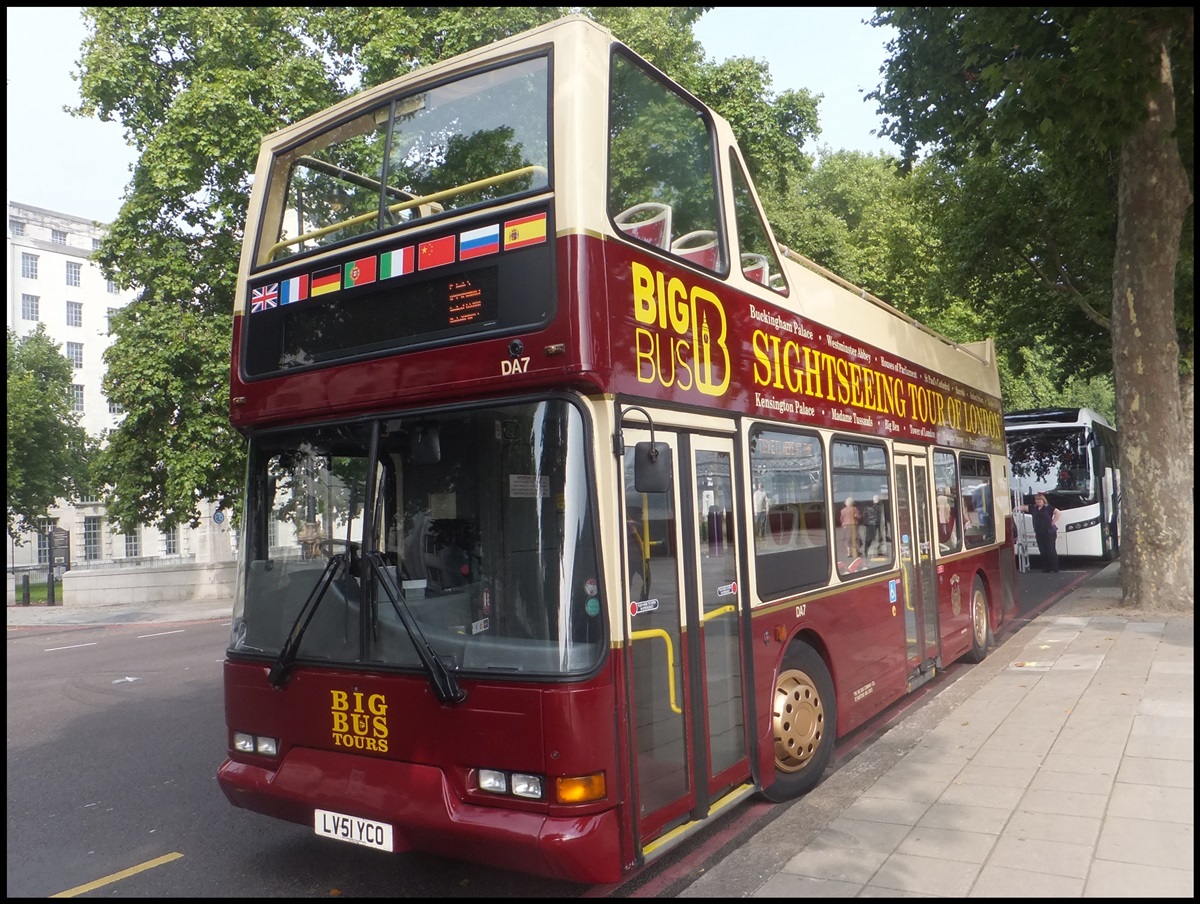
{"x":479,"y":139}
{"x":661,"y":165}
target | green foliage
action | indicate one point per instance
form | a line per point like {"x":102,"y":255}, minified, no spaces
{"x":196,"y":89}
{"x":1028,"y":110}
{"x":45,"y":444}
{"x":175,"y":445}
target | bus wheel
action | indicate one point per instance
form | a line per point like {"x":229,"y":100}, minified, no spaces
{"x":804,"y":723}
{"x":981,"y":629}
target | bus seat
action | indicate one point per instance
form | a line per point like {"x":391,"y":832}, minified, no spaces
{"x":699,"y":247}
{"x":649,"y":222}
{"x":756,"y":268}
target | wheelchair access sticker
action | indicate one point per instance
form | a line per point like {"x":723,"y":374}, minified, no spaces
{"x":637,"y":607}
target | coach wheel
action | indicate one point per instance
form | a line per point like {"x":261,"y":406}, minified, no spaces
{"x":804,"y":723}
{"x":981,"y":629}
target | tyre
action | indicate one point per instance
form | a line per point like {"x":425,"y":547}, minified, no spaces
{"x":981,"y":628}
{"x":804,"y":723}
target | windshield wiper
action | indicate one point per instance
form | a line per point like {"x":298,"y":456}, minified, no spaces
{"x":291,"y":647}
{"x":445,"y":685}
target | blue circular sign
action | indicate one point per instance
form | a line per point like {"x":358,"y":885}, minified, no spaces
{"x":218,"y":516}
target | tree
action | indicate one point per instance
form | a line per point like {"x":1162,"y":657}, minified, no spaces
{"x":1081,"y":93}
{"x":46,"y":457}
{"x":195,"y":89}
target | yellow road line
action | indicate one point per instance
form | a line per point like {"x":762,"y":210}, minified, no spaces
{"x":117,"y":877}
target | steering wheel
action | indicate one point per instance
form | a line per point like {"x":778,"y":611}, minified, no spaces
{"x":329,"y":545}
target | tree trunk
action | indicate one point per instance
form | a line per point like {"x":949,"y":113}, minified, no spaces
{"x":1157,"y":469}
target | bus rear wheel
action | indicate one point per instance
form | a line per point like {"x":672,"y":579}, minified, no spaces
{"x":981,"y":628}
{"x":803,"y":721}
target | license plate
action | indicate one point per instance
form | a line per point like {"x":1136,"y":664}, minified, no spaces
{"x":353,"y":829}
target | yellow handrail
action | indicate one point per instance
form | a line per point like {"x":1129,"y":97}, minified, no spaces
{"x":405,"y":205}
{"x":659,"y":632}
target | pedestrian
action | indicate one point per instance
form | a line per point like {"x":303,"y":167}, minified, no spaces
{"x":849,"y":518}
{"x":762,"y":503}
{"x":1045,"y":531}
{"x":872,"y":518}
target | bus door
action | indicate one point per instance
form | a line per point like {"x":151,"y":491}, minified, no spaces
{"x":914,"y":536}
{"x":688,"y":695}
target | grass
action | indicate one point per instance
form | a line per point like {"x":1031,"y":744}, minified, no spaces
{"x":37,"y":593}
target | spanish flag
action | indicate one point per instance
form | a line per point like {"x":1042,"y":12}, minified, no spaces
{"x":525,"y":231}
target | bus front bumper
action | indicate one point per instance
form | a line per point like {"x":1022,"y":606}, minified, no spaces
{"x":427,"y":815}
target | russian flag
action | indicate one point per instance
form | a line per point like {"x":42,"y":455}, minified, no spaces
{"x":478,"y":242}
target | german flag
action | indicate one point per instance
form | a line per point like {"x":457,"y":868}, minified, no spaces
{"x":326,"y":281}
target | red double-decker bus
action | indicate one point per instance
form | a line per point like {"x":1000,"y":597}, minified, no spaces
{"x":578,"y":509}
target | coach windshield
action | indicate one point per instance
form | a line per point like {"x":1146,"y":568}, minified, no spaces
{"x":469,"y":533}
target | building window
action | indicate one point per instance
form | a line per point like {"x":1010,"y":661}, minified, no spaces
{"x":29,"y":265}
{"x":133,"y":545}
{"x":77,"y":398}
{"x":112,"y":312}
{"x":74,"y":313}
{"x":45,"y":525}
{"x":29,"y":307}
{"x":58,"y":237}
{"x":95,"y":244}
{"x":171,"y":541}
{"x":89,"y":499}
{"x":113,"y":288}
{"x":16,"y":227}
{"x":74,"y":274}
{"x":115,"y":407}
{"x":91,"y":537}
{"x":75,"y":354}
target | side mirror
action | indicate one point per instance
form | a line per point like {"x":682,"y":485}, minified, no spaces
{"x":652,"y":467}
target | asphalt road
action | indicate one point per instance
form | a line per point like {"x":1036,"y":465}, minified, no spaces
{"x":114,"y":737}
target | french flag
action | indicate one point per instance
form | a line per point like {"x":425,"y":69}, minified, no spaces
{"x":294,"y":289}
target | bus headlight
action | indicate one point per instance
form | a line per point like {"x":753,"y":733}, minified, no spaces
{"x":244,"y":742}
{"x":514,"y":784}
{"x":526,"y":785}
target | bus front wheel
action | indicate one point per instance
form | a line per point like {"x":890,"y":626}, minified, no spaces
{"x":981,"y":629}
{"x":803,"y":721}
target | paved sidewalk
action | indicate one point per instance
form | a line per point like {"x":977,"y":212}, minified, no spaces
{"x":1060,"y":767}
{"x":117,"y":614}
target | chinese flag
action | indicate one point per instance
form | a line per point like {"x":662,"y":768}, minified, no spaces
{"x":436,"y":253}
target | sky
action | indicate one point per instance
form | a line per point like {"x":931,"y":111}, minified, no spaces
{"x":81,"y":166}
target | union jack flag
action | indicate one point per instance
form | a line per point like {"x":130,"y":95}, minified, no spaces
{"x":265,"y":297}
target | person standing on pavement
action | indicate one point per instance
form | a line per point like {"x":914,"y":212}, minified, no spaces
{"x":762,"y":503}
{"x":872,"y":518}
{"x":1045,"y":531}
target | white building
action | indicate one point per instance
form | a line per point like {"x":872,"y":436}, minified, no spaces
{"x":53,"y":281}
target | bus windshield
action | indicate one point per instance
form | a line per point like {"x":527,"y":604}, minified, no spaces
{"x":479,"y":139}
{"x":477,"y":524}
{"x":1053,"y":461}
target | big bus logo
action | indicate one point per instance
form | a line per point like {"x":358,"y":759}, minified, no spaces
{"x":683,"y":339}
{"x":359,"y":723}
